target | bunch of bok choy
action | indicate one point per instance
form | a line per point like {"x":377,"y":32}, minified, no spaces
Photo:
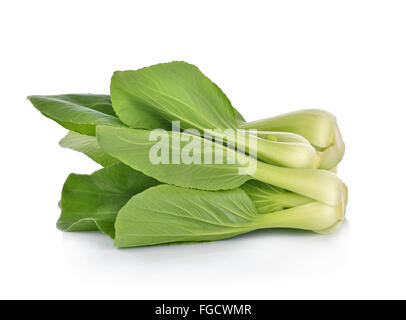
{"x":181,"y":165}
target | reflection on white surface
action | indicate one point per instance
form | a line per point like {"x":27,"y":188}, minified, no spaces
{"x":255,"y":258}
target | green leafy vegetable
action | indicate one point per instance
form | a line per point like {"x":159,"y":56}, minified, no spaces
{"x":169,"y":214}
{"x":99,"y":203}
{"x":77,"y":112}
{"x":133,"y":147}
{"x":91,"y":202}
{"x":152,"y":97}
{"x":87,"y":145}
{"x":203,"y":180}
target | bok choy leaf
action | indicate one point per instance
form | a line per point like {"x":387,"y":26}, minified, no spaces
{"x":77,"y":112}
{"x":133,"y":147}
{"x":91,"y":202}
{"x":155,"y":96}
{"x":87,"y":145}
{"x":152,"y":97}
{"x":169,"y":214}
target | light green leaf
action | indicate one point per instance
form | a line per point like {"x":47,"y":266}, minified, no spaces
{"x":169,"y":214}
{"x":89,"y":146}
{"x":91,"y":202}
{"x":77,"y":112}
{"x":152,"y":97}
{"x":166,"y":214}
{"x":133,"y":146}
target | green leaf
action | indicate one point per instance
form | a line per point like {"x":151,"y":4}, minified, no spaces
{"x":88,"y":145}
{"x":77,"y":112}
{"x":91,"y":202}
{"x":169,"y":214}
{"x":133,"y":147}
{"x":166,"y":214}
{"x":151,"y":97}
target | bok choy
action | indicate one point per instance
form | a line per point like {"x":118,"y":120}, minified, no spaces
{"x":169,"y":214}
{"x":181,"y":164}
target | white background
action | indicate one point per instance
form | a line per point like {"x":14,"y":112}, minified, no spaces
{"x":270,"y":57}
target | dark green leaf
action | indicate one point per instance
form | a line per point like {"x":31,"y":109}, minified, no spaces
{"x":91,"y":202}
{"x":77,"y":112}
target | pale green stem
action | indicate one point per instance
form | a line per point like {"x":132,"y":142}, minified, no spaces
{"x":332,"y":155}
{"x":286,"y":154}
{"x":312,"y":216}
{"x":313,"y":124}
{"x":330,"y":229}
{"x":268,"y":198}
{"x":335,"y":169}
{"x":320,"y":185}
{"x":282,"y":136}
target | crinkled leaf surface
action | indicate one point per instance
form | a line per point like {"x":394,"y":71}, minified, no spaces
{"x":77,"y":112}
{"x":91,"y":202}
{"x":132,"y":147}
{"x":87,"y":145}
{"x":167,"y":214}
{"x":152,"y":97}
